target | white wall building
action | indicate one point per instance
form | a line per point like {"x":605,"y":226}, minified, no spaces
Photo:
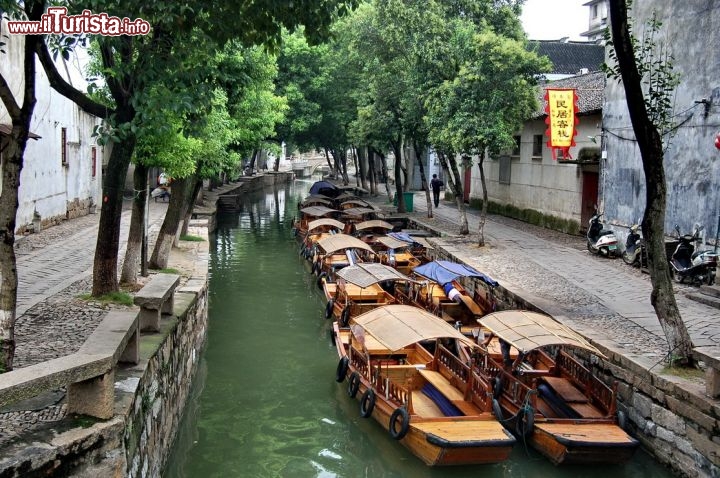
{"x":62,"y":173}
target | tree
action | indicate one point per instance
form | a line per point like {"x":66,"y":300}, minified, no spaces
{"x":133,"y":65}
{"x":648,"y":81}
{"x":13,"y":158}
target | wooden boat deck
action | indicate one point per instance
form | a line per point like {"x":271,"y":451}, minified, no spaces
{"x":451,"y":393}
{"x":587,"y":434}
{"x":424,"y":406}
{"x":463,"y":431}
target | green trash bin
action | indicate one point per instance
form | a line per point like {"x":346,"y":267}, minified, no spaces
{"x":408,"y":201}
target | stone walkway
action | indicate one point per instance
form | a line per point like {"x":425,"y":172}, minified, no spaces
{"x":605,"y":299}
{"x":54,"y":268}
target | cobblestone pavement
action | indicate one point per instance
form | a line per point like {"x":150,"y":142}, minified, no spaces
{"x":54,"y":268}
{"x":604,"y":299}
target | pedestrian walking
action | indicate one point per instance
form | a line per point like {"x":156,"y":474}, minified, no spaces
{"x":436,"y":184}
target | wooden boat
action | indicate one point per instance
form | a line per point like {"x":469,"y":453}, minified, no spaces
{"x":431,"y":295}
{"x":431,"y":402}
{"x":316,"y":230}
{"x":396,"y":253}
{"x":308,"y":214}
{"x":334,"y":252}
{"x":316,"y":200}
{"x":361,"y":288}
{"x":343,"y":203}
{"x":418,"y":246}
{"x":548,"y":397}
{"x":370,"y":231}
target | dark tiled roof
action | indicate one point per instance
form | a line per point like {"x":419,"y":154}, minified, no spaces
{"x":568,"y":58}
{"x":590,"y":89}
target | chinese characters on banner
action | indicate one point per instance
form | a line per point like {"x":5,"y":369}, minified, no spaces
{"x":561,"y":119}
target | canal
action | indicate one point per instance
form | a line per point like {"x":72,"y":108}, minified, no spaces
{"x":265,"y":402}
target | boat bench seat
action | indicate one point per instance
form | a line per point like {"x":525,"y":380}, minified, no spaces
{"x":156,"y":298}
{"x":710,"y":355}
{"x":452,"y":394}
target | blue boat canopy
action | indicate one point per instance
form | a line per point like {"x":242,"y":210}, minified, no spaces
{"x":325,"y":188}
{"x":443,"y":272}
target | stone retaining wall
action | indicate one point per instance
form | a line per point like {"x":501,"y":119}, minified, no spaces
{"x":673,"y":418}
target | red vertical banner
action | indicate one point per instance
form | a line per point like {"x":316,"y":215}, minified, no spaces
{"x":561,"y":109}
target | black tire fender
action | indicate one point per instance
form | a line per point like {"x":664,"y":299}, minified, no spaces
{"x":525,"y":422}
{"x":320,"y":278}
{"x":353,"y":384}
{"x":329,"y":308}
{"x":367,"y":403}
{"x":345,"y":316}
{"x":342,"y":368}
{"x":402,"y":414}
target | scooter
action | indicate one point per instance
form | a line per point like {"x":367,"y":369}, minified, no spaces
{"x":689,"y":263}
{"x":601,"y":241}
{"x":634,"y":253}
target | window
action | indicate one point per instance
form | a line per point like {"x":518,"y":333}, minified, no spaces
{"x":595,"y":11}
{"x":505,"y":164}
{"x":516,"y":148}
{"x":63,"y":146}
{"x":537,"y":146}
{"x":93,"y":158}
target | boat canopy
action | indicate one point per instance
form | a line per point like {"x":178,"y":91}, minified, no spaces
{"x":317,"y":211}
{"x":325,"y":222}
{"x":357,"y":211}
{"x":527,"y":330}
{"x":341,"y":241}
{"x":345,"y":196}
{"x":313,"y":201}
{"x":397,"y":326}
{"x":405,"y":237}
{"x":392,"y":243}
{"x":366,"y":274}
{"x":443,"y":272}
{"x":352,"y":201}
{"x":373,"y":223}
{"x":325,"y":188}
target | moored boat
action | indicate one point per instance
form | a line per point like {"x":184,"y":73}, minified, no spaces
{"x":334,"y":252}
{"x":548,"y":397}
{"x":416,"y":388}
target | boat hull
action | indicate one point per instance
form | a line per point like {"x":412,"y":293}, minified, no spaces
{"x":586,"y":444}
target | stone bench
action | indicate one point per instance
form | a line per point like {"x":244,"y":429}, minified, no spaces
{"x":88,"y":374}
{"x":711,"y":356}
{"x":155,"y":299}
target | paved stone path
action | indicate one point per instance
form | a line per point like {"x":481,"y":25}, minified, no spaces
{"x":604,"y":298}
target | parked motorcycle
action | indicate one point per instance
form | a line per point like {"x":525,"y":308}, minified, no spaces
{"x":688,"y":263}
{"x":599,"y":240}
{"x":635,"y":253}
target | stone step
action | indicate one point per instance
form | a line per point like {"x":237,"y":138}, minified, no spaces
{"x":712,"y":290}
{"x":707,"y":299}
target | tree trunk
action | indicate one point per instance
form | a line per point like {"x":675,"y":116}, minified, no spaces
{"x":653,"y":223}
{"x":363,"y":167}
{"x":179,"y":202}
{"x":330,"y":165}
{"x":397,"y":149}
{"x":342,"y":155}
{"x":358,"y":171}
{"x":452,"y":174}
{"x":191,"y":206}
{"x":483,"y":210}
{"x":383,"y":163}
{"x":423,"y":177}
{"x":128,"y":275}
{"x":105,"y":277}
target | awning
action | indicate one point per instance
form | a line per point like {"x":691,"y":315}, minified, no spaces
{"x":7,"y":130}
{"x":527,"y":330}
{"x":342,"y":241}
{"x":317,"y":211}
{"x":364,"y":275}
{"x":357,"y":211}
{"x":325,"y":222}
{"x":373,"y":223}
{"x":397,"y":326}
{"x":392,"y":243}
{"x":443,"y":272}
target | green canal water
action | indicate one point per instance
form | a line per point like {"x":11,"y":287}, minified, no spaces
{"x":265,"y":402}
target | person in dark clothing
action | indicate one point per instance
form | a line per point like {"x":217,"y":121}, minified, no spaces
{"x":436,"y":184}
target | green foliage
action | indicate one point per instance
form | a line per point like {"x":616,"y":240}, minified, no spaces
{"x":122,"y":298}
{"x":655,"y":66}
{"x":191,"y":238}
{"x":168,"y":270}
{"x":530,"y":216}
